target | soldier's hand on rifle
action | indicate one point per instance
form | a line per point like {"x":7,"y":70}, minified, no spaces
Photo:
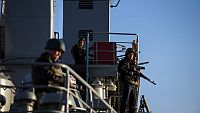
{"x":132,"y":73}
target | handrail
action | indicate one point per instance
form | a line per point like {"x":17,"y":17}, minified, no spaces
{"x":87,"y":47}
{"x":85,"y":83}
{"x":69,"y":71}
{"x":55,"y":87}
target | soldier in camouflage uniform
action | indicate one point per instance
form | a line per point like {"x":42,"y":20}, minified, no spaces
{"x":48,"y":74}
{"x":129,"y":81}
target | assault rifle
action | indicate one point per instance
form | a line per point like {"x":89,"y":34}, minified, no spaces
{"x":138,"y":68}
{"x":146,"y":78}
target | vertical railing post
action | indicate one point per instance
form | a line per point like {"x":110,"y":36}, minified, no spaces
{"x":67,"y":85}
{"x":91,"y":103}
{"x":87,"y":63}
{"x":136,"y":56}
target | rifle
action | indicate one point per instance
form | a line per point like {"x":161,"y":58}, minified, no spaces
{"x":137,"y":69}
{"x":146,"y":78}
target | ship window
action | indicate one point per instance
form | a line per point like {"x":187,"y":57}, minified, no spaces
{"x":83,"y":33}
{"x":85,"y":4}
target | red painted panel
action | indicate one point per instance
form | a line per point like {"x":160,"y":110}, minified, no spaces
{"x":105,"y":53}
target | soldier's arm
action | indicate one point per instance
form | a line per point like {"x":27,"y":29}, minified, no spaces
{"x":122,"y":68}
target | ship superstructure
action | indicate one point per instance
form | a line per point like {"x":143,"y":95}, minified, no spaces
{"x":26,"y":25}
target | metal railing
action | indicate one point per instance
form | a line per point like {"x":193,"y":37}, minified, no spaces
{"x":91,"y":90}
{"x":108,"y":33}
{"x":66,"y":87}
{"x":2,"y":8}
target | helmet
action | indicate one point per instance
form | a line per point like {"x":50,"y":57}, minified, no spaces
{"x":55,"y":44}
{"x":129,"y":50}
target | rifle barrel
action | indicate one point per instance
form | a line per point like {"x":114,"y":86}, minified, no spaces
{"x":148,"y":79}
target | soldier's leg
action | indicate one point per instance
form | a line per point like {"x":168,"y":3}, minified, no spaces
{"x":132,"y":101}
{"x":125,"y":96}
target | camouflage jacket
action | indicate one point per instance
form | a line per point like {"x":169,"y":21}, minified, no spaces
{"x":127,"y":71}
{"x":47,"y":74}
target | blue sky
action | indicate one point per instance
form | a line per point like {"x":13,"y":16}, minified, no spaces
{"x":169,"y":40}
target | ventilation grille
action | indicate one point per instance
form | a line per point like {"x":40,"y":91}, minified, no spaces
{"x":85,"y":4}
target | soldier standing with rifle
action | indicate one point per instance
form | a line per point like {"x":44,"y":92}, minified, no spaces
{"x":130,"y":78}
{"x":129,"y":81}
